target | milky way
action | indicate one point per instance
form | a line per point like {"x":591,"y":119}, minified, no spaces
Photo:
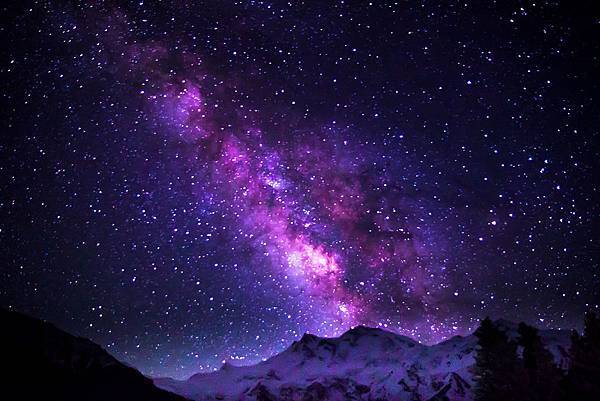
{"x":297,"y":204}
{"x":193,"y":185}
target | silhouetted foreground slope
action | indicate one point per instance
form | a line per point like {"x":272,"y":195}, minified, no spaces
{"x":42,"y":362}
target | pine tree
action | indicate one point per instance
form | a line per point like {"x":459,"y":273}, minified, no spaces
{"x":583,"y":379}
{"x":543,"y":377}
{"x":497,"y":367}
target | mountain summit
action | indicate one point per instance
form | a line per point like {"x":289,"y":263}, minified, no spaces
{"x":362,"y":364}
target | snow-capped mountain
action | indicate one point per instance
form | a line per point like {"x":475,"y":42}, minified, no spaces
{"x":362,"y":364}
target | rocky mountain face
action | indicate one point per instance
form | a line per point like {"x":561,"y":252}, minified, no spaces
{"x":362,"y":364}
{"x":45,"y":363}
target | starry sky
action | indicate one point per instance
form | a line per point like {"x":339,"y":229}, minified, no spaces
{"x":188,"y":184}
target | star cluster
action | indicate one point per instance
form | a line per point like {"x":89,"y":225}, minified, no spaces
{"x":195,"y":184}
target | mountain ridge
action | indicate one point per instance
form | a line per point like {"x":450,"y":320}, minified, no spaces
{"x":364,"y":363}
{"x":66,"y":367}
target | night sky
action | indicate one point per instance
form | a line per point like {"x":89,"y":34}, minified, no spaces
{"x":192,"y":184}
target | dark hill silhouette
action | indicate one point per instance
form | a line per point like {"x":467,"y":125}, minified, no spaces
{"x":43,"y":362}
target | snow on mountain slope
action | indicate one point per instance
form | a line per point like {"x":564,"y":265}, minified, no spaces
{"x":362,"y":364}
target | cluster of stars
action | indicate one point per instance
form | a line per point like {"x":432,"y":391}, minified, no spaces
{"x":189,"y":186}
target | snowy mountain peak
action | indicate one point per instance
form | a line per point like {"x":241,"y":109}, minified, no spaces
{"x":307,"y":339}
{"x":362,"y":364}
{"x":365,"y":330}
